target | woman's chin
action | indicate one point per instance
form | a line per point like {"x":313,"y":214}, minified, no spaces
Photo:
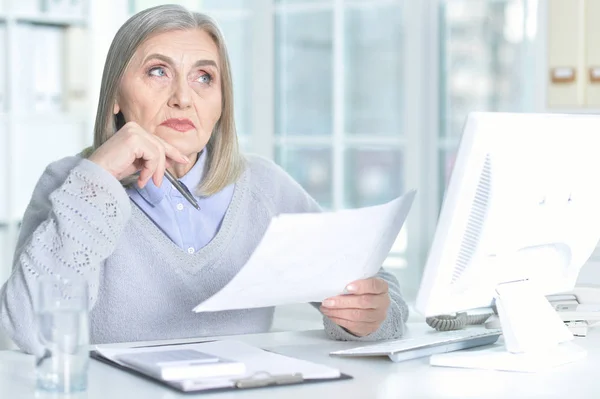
{"x":185,"y":144}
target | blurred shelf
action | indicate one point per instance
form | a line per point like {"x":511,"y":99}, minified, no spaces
{"x":16,"y":222}
{"x":2,"y":17}
{"x":53,"y":20}
{"x":51,"y":117}
{"x":581,"y":111}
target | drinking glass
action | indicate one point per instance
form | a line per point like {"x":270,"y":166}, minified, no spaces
{"x":63,"y":332}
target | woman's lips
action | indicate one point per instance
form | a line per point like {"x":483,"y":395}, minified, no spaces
{"x":181,"y":125}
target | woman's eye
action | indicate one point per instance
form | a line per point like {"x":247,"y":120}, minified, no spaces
{"x":205,"y":78}
{"x":157,"y":71}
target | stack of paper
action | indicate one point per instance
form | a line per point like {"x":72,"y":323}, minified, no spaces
{"x":23,"y":99}
{"x":41,"y":67}
{"x":76,"y":72}
{"x":48,"y":55}
{"x":309,"y":257}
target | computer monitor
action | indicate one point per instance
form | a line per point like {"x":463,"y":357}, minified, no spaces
{"x":520,"y":217}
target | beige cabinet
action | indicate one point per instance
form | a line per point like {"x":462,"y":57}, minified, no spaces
{"x":573,"y":54}
{"x":566,"y":48}
{"x":592,"y":52}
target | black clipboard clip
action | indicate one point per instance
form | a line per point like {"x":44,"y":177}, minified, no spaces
{"x":263,"y":379}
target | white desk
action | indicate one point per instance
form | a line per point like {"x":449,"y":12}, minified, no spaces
{"x":373,"y":377}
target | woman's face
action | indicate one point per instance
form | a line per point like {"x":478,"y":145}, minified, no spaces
{"x":172,"y":88}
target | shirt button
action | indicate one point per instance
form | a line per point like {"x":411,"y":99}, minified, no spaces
{"x":190,"y":250}
{"x":180,"y":207}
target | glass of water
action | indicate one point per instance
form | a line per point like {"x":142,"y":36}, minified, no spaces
{"x":63,"y":331}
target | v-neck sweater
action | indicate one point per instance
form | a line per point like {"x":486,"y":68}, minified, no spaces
{"x":80,"y":223}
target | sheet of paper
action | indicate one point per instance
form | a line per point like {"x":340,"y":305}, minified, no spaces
{"x":309,"y":257}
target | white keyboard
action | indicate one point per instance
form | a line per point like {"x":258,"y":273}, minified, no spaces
{"x":425,"y":345}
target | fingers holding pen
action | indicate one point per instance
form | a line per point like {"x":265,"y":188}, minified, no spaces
{"x":133,"y":149}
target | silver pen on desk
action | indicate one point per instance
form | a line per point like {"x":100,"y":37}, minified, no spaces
{"x":183,"y":190}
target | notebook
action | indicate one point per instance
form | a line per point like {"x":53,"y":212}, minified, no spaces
{"x":260,"y":368}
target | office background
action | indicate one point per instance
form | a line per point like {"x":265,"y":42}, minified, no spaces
{"x":359,"y":100}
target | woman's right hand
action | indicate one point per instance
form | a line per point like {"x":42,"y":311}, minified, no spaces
{"x":133,"y":149}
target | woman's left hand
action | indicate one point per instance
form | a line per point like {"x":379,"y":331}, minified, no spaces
{"x":363,"y":309}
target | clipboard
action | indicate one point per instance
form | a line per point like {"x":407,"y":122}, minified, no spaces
{"x":257,"y":380}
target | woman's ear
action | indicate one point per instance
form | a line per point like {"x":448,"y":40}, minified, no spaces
{"x":116,"y":108}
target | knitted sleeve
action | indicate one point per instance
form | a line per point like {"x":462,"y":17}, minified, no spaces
{"x":74,"y":219}
{"x":392,"y":327}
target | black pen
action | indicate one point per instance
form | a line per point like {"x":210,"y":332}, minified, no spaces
{"x":183,"y":190}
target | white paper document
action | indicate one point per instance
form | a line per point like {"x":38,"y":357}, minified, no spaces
{"x":313,"y":256}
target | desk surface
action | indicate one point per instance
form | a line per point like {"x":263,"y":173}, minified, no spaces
{"x":373,"y":377}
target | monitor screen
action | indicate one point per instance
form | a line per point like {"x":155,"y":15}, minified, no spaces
{"x":523,"y":203}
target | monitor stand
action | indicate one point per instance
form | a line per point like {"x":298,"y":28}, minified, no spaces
{"x":535,"y":338}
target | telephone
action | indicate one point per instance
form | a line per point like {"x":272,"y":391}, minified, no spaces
{"x":579,"y":308}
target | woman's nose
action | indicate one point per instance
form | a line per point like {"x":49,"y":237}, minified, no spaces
{"x":181,"y":95}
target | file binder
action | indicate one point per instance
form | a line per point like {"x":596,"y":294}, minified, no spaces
{"x":278,"y":375}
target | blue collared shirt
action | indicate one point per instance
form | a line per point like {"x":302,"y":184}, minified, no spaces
{"x":187,"y":227}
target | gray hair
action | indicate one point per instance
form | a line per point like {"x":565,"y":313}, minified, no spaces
{"x":224,"y":164}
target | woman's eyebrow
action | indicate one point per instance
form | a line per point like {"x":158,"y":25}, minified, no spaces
{"x":169,"y":60}
{"x":161,"y":57}
{"x":201,"y":63}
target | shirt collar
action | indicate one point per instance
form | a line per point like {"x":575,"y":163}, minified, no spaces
{"x":153,"y":194}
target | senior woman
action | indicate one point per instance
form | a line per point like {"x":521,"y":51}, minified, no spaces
{"x":148,"y":257}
